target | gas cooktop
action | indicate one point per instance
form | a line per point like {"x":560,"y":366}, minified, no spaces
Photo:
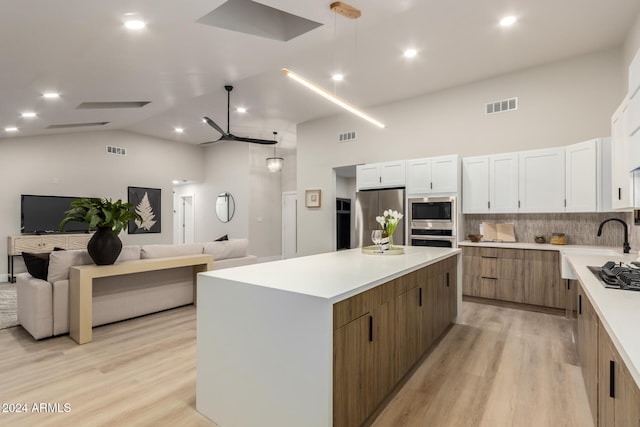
{"x":619,"y":275}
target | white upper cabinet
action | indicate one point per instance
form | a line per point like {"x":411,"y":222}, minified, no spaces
{"x":380,"y":175}
{"x":433,"y":175}
{"x":503,"y":183}
{"x":588,"y":176}
{"x":541,"y":186}
{"x":475,"y":184}
{"x":490,"y":183}
{"x":621,"y":188}
{"x":418,"y":176}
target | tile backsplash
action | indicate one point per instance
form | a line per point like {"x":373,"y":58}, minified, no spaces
{"x":580,"y":228}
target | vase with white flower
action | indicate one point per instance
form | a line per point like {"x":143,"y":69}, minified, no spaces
{"x":388,"y":222}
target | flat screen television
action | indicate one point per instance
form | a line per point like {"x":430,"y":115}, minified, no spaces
{"x":43,"y":214}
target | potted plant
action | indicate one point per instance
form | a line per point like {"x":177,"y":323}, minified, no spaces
{"x":109,"y":218}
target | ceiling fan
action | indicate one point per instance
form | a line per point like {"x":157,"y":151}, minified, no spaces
{"x":228,"y":136}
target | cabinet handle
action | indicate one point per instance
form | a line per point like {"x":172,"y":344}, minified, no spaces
{"x":447,"y":279}
{"x":518,"y":203}
{"x":370,"y":328}
{"x":431,"y":185}
{"x":612,"y":379}
{"x":619,"y":193}
{"x":579,"y":304}
{"x":489,"y":205}
{"x":489,"y":257}
{"x":568,"y":284}
{"x":420,"y":297}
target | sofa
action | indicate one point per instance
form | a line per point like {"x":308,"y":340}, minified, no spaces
{"x":43,"y":305}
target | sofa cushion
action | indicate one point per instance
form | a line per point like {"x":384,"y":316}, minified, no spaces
{"x":234,"y":248}
{"x":129,"y":253}
{"x":59,"y":263}
{"x":38,"y":264}
{"x":165,"y":251}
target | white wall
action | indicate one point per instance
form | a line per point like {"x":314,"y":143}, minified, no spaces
{"x":559,"y":104}
{"x":631,"y":46}
{"x":77,"y":165}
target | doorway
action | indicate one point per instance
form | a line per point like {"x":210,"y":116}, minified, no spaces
{"x":289,"y":224}
{"x":186,"y":219}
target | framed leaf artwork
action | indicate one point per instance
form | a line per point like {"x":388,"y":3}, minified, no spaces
{"x":146,"y":203}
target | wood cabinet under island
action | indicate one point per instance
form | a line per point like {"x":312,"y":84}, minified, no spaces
{"x":318,"y":340}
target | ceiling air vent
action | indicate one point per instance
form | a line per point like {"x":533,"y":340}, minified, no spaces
{"x":501,"y":106}
{"x":76,"y":125}
{"x":347,"y":136}
{"x":117,"y":104}
{"x":118,"y":151}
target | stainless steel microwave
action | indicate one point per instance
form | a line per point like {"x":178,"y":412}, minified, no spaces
{"x":424,"y":210}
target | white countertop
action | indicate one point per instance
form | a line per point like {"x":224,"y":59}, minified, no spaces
{"x":618,"y":310}
{"x":535,"y":246}
{"x":334,"y":275}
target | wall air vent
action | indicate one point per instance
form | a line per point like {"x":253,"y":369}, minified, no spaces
{"x":501,"y":106}
{"x":118,"y":151}
{"x":347,"y":136}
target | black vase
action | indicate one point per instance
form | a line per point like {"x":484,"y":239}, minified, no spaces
{"x":104,"y":246}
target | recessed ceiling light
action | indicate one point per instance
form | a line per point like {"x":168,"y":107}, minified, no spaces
{"x":337,"y":77}
{"x":135,"y":24}
{"x":410,"y":53}
{"x":241,"y":110}
{"x":178,"y":130}
{"x":28,"y":115}
{"x":51,"y":95}
{"x":11,"y":129}
{"x":175,"y":181}
{"x":508,"y":21}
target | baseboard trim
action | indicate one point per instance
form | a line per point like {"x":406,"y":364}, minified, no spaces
{"x":516,"y":305}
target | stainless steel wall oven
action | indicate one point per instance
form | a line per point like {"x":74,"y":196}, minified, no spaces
{"x":433,"y":221}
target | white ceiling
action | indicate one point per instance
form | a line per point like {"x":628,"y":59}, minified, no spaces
{"x":80,"y":48}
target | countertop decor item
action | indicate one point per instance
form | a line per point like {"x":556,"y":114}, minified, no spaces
{"x":374,"y":250}
{"x":475,"y":238}
{"x":388,"y":222}
{"x":540,"y":239}
{"x":558,"y":239}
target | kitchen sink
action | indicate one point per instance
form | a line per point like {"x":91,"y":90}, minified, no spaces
{"x":566,"y":272}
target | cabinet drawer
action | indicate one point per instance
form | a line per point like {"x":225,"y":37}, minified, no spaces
{"x":489,"y":267}
{"x":350,"y":309}
{"x":510,"y":290}
{"x":489,"y":252}
{"x":511,"y":253}
{"x":510,"y":268}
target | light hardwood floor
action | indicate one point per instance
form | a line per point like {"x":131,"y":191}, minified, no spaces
{"x":501,"y":367}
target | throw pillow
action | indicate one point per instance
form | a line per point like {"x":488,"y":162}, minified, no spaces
{"x":221,"y":238}
{"x":38,"y":264}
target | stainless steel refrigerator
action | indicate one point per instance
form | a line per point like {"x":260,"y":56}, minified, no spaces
{"x":372,"y":203}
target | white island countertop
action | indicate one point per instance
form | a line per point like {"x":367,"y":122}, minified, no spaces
{"x":618,"y":310}
{"x":264,"y":347}
{"x":334,"y":275}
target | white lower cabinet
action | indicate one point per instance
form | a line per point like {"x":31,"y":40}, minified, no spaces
{"x":541,"y":180}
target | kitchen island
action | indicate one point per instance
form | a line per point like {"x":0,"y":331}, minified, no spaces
{"x":318,"y":340}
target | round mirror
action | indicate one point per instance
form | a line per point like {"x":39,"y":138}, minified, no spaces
{"x":225,"y":207}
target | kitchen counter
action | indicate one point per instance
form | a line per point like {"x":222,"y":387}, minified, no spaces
{"x":618,"y":310}
{"x":265,"y":332}
{"x":535,"y":246}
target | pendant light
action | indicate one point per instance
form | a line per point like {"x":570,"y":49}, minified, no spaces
{"x":274,"y":164}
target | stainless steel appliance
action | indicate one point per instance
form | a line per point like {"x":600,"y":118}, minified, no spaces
{"x":372,"y":203}
{"x":433,"y":221}
{"x":618,"y":275}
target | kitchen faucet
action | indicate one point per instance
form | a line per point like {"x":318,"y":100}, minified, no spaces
{"x":625,"y":246}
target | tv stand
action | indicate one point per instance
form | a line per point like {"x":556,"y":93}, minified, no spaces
{"x":42,"y":243}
